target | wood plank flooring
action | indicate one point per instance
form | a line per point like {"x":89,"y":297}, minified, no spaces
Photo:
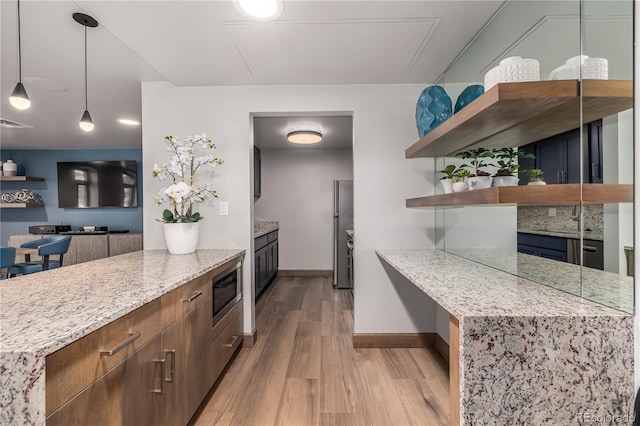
{"x":304,"y":370}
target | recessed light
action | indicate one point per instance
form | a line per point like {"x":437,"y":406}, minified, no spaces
{"x":259,"y":10}
{"x":128,"y":122}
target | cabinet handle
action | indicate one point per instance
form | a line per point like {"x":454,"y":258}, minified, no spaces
{"x":133,"y":335}
{"x":172,"y":366}
{"x":559,"y":177}
{"x":194,"y":297}
{"x":589,"y":249}
{"x":595,"y":172}
{"x":161,"y":389}
{"x":233,"y":342}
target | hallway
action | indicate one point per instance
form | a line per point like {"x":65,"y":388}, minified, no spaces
{"x":303,"y":369}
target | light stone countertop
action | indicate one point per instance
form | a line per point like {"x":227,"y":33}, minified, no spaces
{"x":263,"y":227}
{"x":467,"y":288}
{"x":588,"y":235}
{"x":41,"y":313}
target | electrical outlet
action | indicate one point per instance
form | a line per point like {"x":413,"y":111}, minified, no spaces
{"x":552,"y":212}
{"x":224,"y":208}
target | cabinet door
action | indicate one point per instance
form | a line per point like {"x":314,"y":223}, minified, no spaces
{"x":124,"y":243}
{"x":553,"y":254}
{"x":84,"y":248}
{"x":551,"y":158}
{"x":273,"y":259}
{"x":594,"y":163}
{"x":572,"y":140}
{"x":124,"y":396}
{"x":263,"y":268}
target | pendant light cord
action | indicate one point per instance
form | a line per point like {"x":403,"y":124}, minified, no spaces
{"x":86,"y":96}
{"x":19,"y":47}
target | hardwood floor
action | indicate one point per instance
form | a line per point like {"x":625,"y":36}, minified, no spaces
{"x":304,"y":370}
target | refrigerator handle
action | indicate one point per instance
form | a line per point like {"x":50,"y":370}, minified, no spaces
{"x":335,"y":198}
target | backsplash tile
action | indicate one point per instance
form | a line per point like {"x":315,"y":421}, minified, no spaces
{"x":535,"y":218}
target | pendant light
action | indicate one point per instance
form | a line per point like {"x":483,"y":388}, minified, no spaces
{"x":19,"y":98}
{"x":86,"y":123}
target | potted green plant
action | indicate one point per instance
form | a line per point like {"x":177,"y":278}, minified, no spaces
{"x":181,"y":223}
{"x":535,"y":177}
{"x":508,"y":165}
{"x":478,"y":178}
{"x":447,"y":180}
{"x":459,"y":180}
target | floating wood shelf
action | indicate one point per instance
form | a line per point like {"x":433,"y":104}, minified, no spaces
{"x":21,"y":179}
{"x":20,"y":205}
{"x":526,"y":195}
{"x":515,"y":114}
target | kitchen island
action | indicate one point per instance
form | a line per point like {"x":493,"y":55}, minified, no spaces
{"x":45,"y":312}
{"x":522,"y":352}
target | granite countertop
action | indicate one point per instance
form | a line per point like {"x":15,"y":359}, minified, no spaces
{"x":263,"y":227}
{"x":588,"y":235}
{"x":468,"y":289}
{"x":41,"y":313}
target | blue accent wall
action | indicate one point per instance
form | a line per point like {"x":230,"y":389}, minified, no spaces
{"x":43,"y":163}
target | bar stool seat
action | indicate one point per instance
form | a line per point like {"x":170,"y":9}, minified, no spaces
{"x":7,"y":258}
{"x":57,"y":245}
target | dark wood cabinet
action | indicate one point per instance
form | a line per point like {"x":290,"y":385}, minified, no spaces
{"x":266,"y":260}
{"x":257,"y":173}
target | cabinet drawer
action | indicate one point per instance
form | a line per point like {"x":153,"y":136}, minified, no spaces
{"x":74,"y":367}
{"x":182,"y":300}
{"x":272,"y":236}
{"x":261,"y":242}
{"x":228,"y":340}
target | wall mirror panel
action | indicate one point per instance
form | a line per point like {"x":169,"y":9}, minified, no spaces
{"x":576,"y":124}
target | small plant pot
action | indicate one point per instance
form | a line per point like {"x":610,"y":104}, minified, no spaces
{"x":460,"y":186}
{"x":479,"y":182}
{"x":537,"y":182}
{"x":447,"y":185}
{"x":505,"y":181}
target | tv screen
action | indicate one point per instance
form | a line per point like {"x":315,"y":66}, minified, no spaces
{"x":88,"y":184}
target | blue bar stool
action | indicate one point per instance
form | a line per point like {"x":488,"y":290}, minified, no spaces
{"x":7,"y":258}
{"x":57,"y":245}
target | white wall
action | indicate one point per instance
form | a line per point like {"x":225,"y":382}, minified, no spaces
{"x":383,"y":128}
{"x":297,"y":191}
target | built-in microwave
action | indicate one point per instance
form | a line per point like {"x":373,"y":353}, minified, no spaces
{"x":227,"y":291}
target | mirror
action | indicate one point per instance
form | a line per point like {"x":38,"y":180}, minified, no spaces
{"x":580,"y":240}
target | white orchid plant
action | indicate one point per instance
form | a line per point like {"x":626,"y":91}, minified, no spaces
{"x":184,"y":192}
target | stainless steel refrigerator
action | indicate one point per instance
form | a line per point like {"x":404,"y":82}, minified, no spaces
{"x":342,"y":220}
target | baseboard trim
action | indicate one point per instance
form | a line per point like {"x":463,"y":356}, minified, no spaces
{"x":441,"y":347}
{"x":394,"y":340}
{"x":305,"y":273}
{"x":250,"y":339}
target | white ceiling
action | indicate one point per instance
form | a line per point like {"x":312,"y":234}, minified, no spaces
{"x":203,"y":43}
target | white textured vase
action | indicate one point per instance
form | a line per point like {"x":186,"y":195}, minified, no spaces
{"x":505,"y":181}
{"x":537,"y":182}
{"x":181,"y":238}
{"x":461,"y":186}
{"x":479,"y":182}
{"x":447,"y":185}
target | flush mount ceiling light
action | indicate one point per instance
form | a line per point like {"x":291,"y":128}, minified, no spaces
{"x":19,"y":98}
{"x":86,"y":123}
{"x":304,"y":136}
{"x":128,"y":122}
{"x":259,"y":10}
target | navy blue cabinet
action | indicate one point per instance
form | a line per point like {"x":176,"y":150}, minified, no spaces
{"x":559,"y":156}
{"x":543,"y":246}
{"x":265,"y":260}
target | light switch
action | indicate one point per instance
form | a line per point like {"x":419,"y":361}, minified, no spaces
{"x":224,"y":208}
{"x":552,"y":212}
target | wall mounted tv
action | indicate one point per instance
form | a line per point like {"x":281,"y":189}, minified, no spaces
{"x":89,"y":184}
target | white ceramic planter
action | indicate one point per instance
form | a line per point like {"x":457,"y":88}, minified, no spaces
{"x":505,"y":181}
{"x":181,"y":238}
{"x":447,"y":185}
{"x":538,"y":182}
{"x":479,"y":182}
{"x":460,"y":187}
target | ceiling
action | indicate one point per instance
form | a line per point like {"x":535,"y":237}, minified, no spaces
{"x":204,"y":43}
{"x":270,"y":132}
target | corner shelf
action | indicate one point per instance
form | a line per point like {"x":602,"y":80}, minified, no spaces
{"x":528,"y":195}
{"x":21,"y":179}
{"x":20,"y":205}
{"x":515,"y":114}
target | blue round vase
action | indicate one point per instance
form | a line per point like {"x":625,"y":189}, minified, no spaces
{"x":468,"y":95}
{"x":433,"y":107}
